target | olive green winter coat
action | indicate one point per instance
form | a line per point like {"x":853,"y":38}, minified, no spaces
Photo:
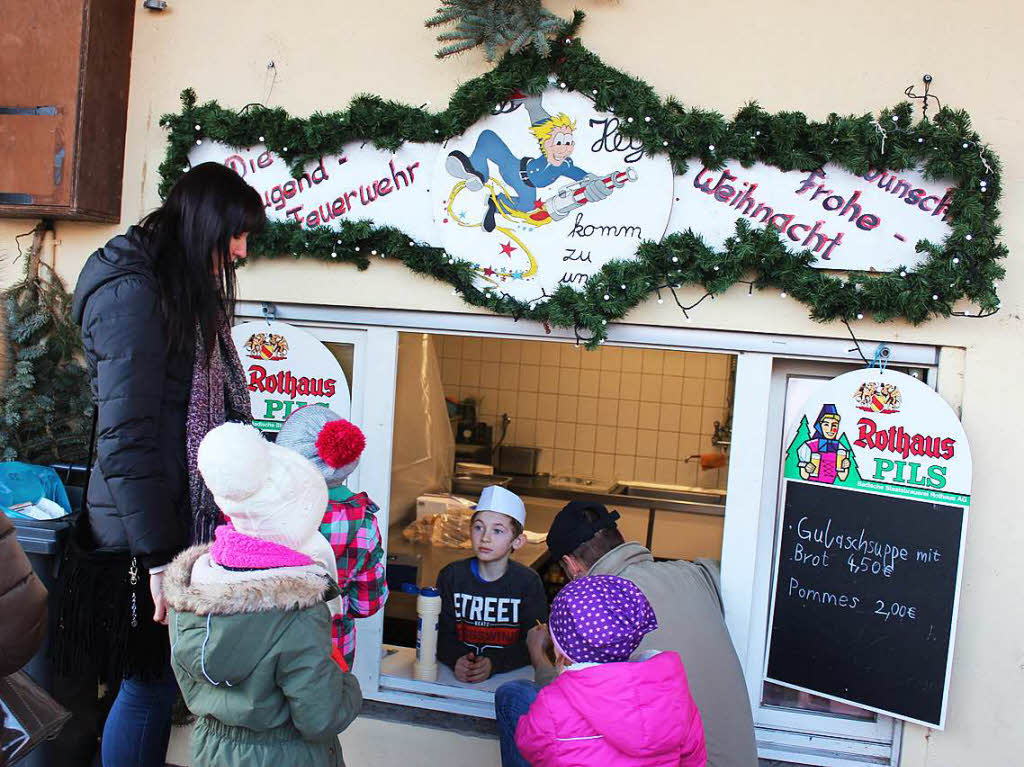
{"x":252,"y":654}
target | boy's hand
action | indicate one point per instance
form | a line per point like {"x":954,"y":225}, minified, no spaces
{"x":480,"y":670}
{"x":472,"y":669}
{"x":463,"y":666}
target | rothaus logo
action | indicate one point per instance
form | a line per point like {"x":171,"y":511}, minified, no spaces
{"x":267,"y":346}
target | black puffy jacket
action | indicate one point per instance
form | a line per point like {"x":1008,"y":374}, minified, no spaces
{"x":138,"y":494}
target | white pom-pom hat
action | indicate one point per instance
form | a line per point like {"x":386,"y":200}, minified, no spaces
{"x":267,"y":491}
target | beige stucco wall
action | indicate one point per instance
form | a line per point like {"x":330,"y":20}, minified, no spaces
{"x":812,"y":56}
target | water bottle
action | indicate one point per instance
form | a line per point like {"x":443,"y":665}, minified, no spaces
{"x":428,"y":608}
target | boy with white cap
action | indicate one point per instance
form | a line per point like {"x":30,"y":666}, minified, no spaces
{"x":488,"y":603}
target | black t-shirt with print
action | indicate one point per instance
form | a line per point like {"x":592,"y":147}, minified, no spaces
{"x":488,"y":618}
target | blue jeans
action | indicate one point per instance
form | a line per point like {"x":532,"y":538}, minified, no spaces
{"x":511,"y":701}
{"x":139,"y":724}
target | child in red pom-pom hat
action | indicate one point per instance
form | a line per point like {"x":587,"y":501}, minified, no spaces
{"x":334,"y":445}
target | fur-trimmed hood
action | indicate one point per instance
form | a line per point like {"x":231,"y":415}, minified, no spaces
{"x":224,"y":623}
{"x":193,"y":583}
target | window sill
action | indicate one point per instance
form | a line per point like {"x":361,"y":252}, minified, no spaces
{"x":464,"y":724}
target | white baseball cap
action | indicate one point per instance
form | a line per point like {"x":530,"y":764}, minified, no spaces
{"x":496,"y":498}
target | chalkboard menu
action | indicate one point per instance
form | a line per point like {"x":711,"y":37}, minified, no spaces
{"x":864,"y":598}
{"x":870,"y":546}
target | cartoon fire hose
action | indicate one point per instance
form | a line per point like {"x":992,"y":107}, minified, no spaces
{"x":572,"y":196}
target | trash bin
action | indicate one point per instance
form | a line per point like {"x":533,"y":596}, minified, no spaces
{"x":43,"y":542}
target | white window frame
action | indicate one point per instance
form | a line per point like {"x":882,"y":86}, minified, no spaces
{"x":748,"y":536}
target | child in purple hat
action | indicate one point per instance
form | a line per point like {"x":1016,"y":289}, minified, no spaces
{"x":604,"y":708}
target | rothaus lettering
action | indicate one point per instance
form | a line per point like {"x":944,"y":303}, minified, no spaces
{"x":896,"y":440}
{"x":285,"y":383}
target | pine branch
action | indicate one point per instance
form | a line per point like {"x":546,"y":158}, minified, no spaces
{"x":44,"y":418}
{"x":497,"y":25}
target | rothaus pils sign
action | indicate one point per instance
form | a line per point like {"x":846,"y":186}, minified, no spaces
{"x":870,"y":546}
{"x":286,"y":368}
{"x":545,"y":191}
{"x":880,"y":431}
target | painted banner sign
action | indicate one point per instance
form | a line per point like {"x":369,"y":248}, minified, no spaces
{"x":870,"y":547}
{"x":545,"y":191}
{"x":866,"y":223}
{"x":287,"y":368}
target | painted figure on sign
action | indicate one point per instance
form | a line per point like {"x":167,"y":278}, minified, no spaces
{"x":823,"y":458}
{"x":516,"y":197}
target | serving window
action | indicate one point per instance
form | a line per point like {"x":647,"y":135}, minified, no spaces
{"x":644,"y":431}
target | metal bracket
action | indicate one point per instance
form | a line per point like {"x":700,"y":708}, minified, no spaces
{"x":881,"y":358}
{"x":269,"y":311}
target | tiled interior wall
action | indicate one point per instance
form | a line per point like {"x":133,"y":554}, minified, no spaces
{"x":612,"y":414}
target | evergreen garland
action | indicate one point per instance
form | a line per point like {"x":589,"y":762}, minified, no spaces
{"x":496,"y":25}
{"x":47,"y":408}
{"x":965,"y":266}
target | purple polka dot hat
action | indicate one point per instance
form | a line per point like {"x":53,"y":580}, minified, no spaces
{"x":600,"y":619}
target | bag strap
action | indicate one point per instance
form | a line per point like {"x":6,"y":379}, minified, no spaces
{"x":92,"y":448}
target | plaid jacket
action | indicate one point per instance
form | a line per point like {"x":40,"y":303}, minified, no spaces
{"x":351,"y":528}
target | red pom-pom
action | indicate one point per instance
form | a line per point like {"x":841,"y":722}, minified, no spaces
{"x":339,"y":443}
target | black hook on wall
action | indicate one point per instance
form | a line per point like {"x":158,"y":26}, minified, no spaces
{"x":910,"y":94}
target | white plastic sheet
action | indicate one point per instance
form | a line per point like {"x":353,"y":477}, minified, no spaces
{"x":423,"y":454}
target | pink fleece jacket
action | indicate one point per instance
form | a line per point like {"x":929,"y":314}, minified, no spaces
{"x":636,"y":714}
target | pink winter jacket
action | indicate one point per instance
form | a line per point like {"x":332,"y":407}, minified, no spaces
{"x":638,"y":714}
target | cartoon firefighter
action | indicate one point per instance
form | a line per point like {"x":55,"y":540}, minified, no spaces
{"x":523,"y":176}
{"x":822,"y":458}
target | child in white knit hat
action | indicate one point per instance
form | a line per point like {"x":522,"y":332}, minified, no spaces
{"x":334,"y":445}
{"x":248,"y":615}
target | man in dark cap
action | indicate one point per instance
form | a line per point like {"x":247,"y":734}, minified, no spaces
{"x":584,"y":538}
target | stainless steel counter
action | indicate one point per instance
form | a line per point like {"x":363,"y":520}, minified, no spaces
{"x":635,"y":495}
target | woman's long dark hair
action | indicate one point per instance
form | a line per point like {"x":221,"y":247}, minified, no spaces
{"x":188,"y":235}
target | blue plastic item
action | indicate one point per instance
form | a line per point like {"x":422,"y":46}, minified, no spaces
{"x":22,"y":483}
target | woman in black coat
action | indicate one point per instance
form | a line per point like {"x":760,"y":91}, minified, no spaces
{"x":154,"y":305}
